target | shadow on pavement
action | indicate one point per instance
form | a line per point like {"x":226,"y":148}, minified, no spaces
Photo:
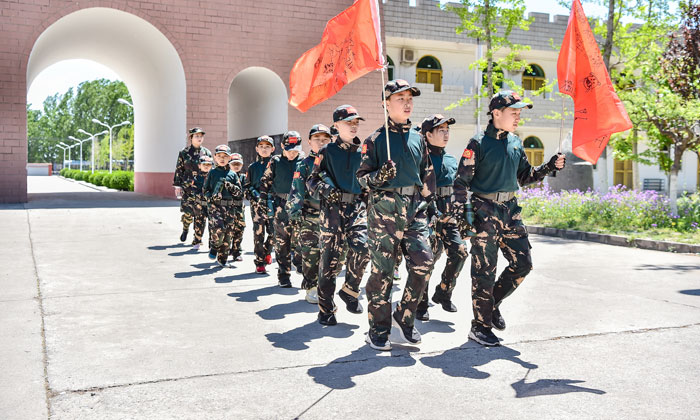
{"x":434,"y":325}
{"x":281,"y":310}
{"x":164,"y":247}
{"x":297,"y":339}
{"x":691,"y":292}
{"x":671,"y":267}
{"x":203,"y":270}
{"x":256,"y":294}
{"x":339,"y":373}
{"x":244,"y":276}
{"x":462,"y":361}
{"x":97,"y":199}
{"x":550,"y":387}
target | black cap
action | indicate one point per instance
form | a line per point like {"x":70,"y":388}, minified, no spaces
{"x":507,"y":99}
{"x":346,"y":113}
{"x":291,"y":141}
{"x":433,"y":121}
{"x":195,"y":130}
{"x":320,"y":129}
{"x":399,"y":85}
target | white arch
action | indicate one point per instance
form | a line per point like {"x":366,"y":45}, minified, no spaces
{"x":257,"y":104}
{"x":147,"y":62}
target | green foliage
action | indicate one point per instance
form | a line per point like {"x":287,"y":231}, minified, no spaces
{"x":121,"y":180}
{"x":96,"y":178}
{"x":492,"y":22}
{"x":64,"y":114}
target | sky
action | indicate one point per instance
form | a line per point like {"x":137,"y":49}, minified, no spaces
{"x":63,"y":75}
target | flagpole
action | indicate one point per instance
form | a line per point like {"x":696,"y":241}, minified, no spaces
{"x":561,"y":129}
{"x":386,"y":117}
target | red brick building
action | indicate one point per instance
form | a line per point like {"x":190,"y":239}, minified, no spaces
{"x":222,"y":65}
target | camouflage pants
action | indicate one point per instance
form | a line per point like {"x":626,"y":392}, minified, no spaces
{"x":342,"y":225}
{"x":498,"y":226}
{"x":446,"y":236}
{"x":221,"y":220}
{"x":200,"y":219}
{"x":187,"y":208}
{"x":309,"y":236}
{"x":261,"y":226}
{"x":238,"y":228}
{"x":297,"y":254}
{"x":283,"y":239}
{"x":396,"y":222}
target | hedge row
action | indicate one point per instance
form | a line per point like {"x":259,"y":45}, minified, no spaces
{"x":118,"y":180}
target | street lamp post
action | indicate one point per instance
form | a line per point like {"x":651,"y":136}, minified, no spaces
{"x":92,"y":136}
{"x":81,"y":148}
{"x":64,"y":153}
{"x":110,"y":128}
{"x":67,"y":146}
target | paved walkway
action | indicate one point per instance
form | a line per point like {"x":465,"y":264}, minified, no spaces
{"x":105,"y":315}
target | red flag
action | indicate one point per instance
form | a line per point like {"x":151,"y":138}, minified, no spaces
{"x":598,"y":112}
{"x":351,"y":47}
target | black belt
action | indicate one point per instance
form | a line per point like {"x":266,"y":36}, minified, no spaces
{"x":445,"y":191}
{"x":412,"y":190}
{"x":498,"y":197}
{"x":313,"y":205}
{"x":225,"y":202}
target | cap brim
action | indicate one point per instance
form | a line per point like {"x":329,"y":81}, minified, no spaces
{"x":449,"y":121}
{"x":265,"y":141}
{"x":353,"y":117}
{"x":414,"y":91}
{"x":295,"y":147}
{"x":519,"y":105}
{"x":237,"y":161}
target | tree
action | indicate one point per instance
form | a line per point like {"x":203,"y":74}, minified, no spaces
{"x":662,"y":103}
{"x":492,"y":21}
{"x":63,"y":115}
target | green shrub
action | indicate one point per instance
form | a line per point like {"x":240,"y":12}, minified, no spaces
{"x":121,"y":180}
{"x":63,"y":171}
{"x":107,"y":180}
{"x":97,"y":177}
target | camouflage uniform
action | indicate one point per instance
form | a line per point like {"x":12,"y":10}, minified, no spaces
{"x":186,"y":169}
{"x":343,"y":221}
{"x":492,"y":166}
{"x":262,"y":224}
{"x":223,"y":191}
{"x":396,"y":220}
{"x":239,"y":220}
{"x":304,"y":212}
{"x":200,"y":205}
{"x":445,"y":233}
{"x":275,"y":185}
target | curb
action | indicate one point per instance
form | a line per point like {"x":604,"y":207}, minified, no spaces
{"x":616,"y":240}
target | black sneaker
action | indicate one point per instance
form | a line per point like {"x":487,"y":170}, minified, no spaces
{"x":497,"y":320}
{"x":422,"y":315}
{"x":408,"y":334}
{"x":377,"y":343}
{"x":327,"y":319}
{"x":444,"y":302}
{"x":285,"y":283}
{"x":183,"y":236}
{"x":352,"y":304}
{"x":483,"y":336}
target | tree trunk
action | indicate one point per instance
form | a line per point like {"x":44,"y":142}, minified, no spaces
{"x":673,"y":181}
{"x":607,"y":48}
{"x":489,"y":54}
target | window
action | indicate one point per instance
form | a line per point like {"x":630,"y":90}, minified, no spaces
{"x":534,"y":150}
{"x":623,"y":173}
{"x":497,"y":76}
{"x":428,"y":70}
{"x":534,"y":78}
{"x":390,"y":68}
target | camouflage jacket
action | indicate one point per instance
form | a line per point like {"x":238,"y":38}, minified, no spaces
{"x":336,"y":167}
{"x":223,"y":183}
{"x":495,"y":161}
{"x":408,"y":150}
{"x":251,"y":180}
{"x":187,"y":166}
{"x":299,"y":195}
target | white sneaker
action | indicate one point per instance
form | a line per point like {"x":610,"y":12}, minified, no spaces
{"x":195,"y":247}
{"x":397,"y":275}
{"x":312,"y":295}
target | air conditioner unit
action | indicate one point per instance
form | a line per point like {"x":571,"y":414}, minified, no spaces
{"x":408,"y":56}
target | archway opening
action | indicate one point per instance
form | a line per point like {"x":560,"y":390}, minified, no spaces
{"x":150,"y":67}
{"x":257,"y":105}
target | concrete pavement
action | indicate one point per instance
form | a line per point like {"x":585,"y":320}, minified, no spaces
{"x":104,"y":314}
